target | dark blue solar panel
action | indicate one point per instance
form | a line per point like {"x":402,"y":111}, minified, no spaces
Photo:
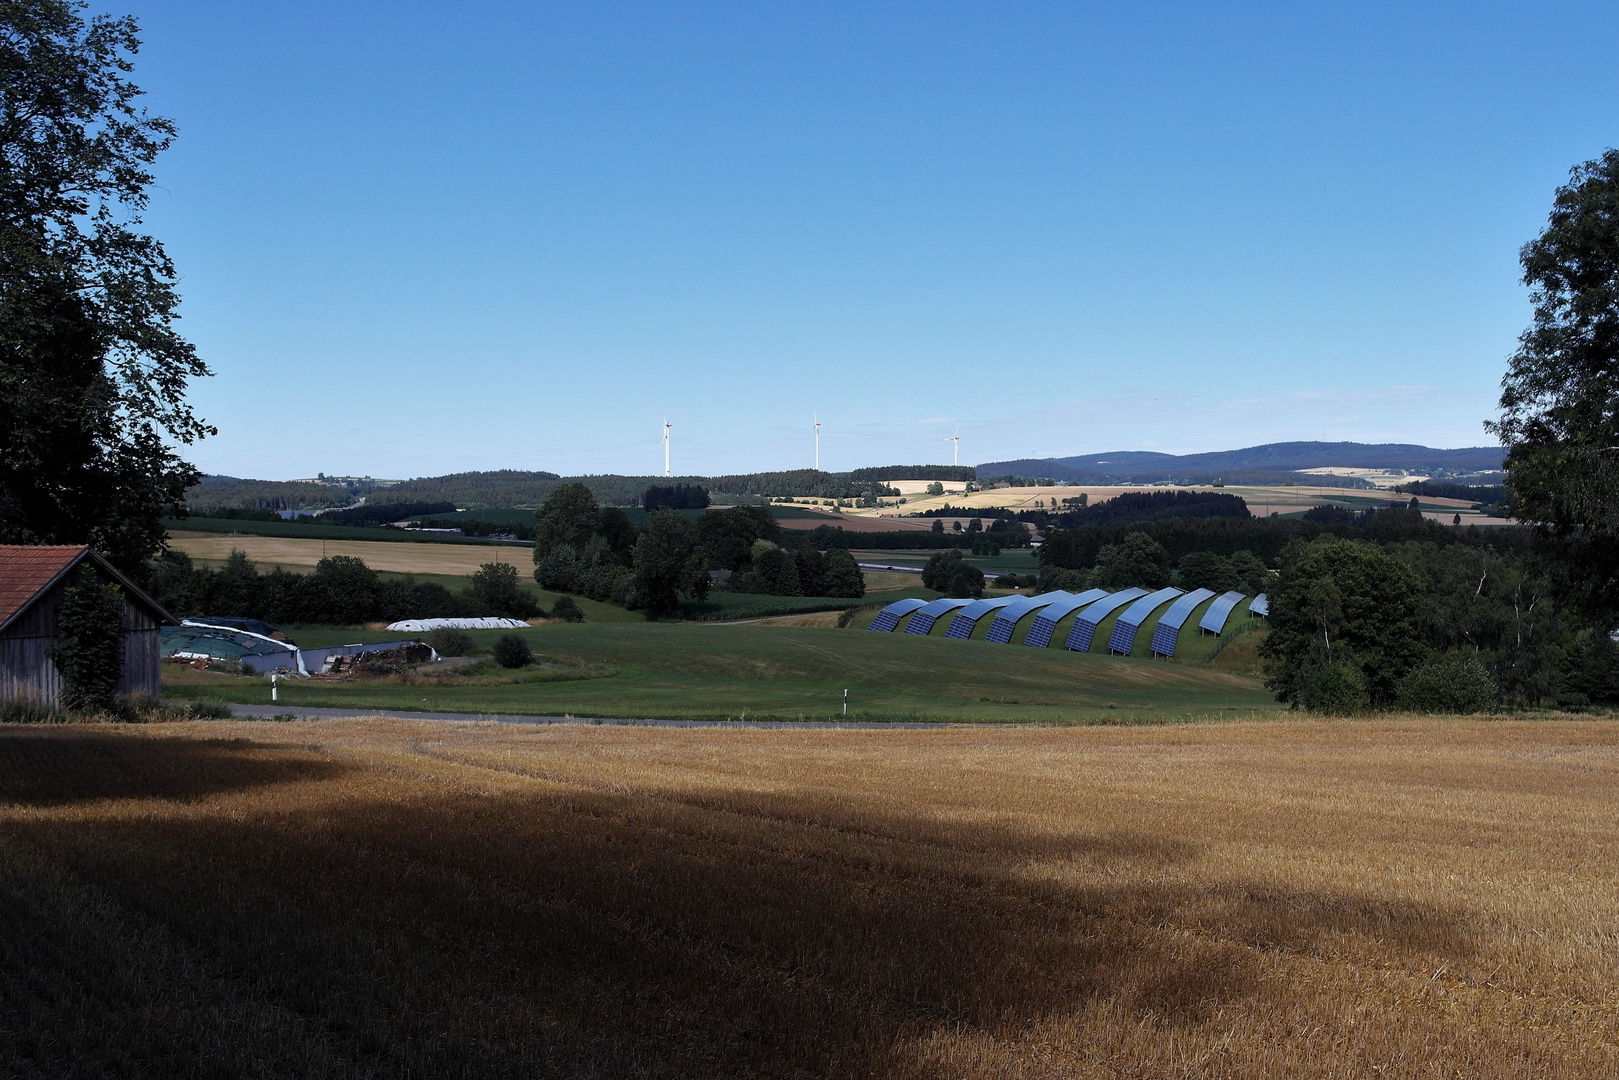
{"x":1045,"y":623}
{"x":889,"y":617}
{"x":922,"y":622}
{"x":967,"y":618}
{"x":1006,"y":620}
{"x":1123,"y":638}
{"x":1079,"y":638}
{"x":1213,"y":620}
{"x":1260,"y":606}
{"x":1169,"y":625}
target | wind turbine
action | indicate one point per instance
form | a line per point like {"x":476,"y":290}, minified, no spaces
{"x":817,"y":442}
{"x":666,"y":426}
{"x":955,"y":441}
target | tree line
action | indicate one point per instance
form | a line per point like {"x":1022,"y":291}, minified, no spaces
{"x":341,"y":590}
{"x":596,"y":551}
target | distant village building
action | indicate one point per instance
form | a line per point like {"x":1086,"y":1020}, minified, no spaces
{"x":32,"y":579}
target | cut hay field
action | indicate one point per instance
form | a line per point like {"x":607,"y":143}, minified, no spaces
{"x":706,"y":671}
{"x":268,"y":552}
{"x":338,"y":899}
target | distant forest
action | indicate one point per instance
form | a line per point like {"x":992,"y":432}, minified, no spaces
{"x":1272,"y":463}
{"x":510,"y":488}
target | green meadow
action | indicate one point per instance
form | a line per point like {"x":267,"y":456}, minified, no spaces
{"x":705,"y":671}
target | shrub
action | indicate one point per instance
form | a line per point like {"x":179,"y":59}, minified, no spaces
{"x":494,"y":587}
{"x":567,"y":609}
{"x":89,"y":649}
{"x":1336,"y":690}
{"x":1454,"y":683}
{"x":447,"y":641}
{"x":512,"y":651}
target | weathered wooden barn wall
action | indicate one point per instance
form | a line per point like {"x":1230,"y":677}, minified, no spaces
{"x":143,"y":662}
{"x":26,"y":671}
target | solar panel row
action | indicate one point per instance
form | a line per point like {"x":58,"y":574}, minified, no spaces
{"x":1168,"y":630}
{"x":926,"y":615}
{"x":1049,"y":609}
{"x":1045,"y":624}
{"x":1123,"y":638}
{"x":967,"y":618}
{"x":1214,"y":619}
{"x":889,"y":617}
{"x":1085,"y":623}
{"x":1006,"y":620}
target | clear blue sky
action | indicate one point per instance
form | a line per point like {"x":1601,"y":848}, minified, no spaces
{"x":424,"y":238}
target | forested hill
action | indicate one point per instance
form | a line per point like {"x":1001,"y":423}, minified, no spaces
{"x":1270,"y":463}
{"x":509,"y":488}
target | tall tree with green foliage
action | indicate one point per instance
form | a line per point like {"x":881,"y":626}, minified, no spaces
{"x":93,"y":370}
{"x":569,"y":516}
{"x":1339,"y":605}
{"x":669,"y":565}
{"x":841,"y":575}
{"x":1560,"y":396}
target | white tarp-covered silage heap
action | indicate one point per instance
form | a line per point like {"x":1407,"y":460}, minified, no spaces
{"x":423,"y":626}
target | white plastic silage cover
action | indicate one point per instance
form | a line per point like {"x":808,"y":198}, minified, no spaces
{"x":422,"y":626}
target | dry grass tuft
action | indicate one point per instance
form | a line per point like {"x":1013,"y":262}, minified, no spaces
{"x":359,"y":898}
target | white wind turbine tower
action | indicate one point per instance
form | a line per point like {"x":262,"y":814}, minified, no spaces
{"x":666,"y":426}
{"x":955,"y":445}
{"x":817,"y":442}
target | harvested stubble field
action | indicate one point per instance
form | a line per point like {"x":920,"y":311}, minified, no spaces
{"x":379,"y":898}
{"x":401,"y":557}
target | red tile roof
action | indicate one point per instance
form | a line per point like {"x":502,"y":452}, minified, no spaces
{"x":26,"y":571}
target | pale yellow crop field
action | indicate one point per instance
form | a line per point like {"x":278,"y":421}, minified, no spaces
{"x":459,"y":560}
{"x":1380,"y":898}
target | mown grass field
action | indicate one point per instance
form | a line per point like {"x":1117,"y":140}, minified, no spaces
{"x":1395,"y":898}
{"x":686,"y":670}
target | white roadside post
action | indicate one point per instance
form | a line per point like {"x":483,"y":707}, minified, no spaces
{"x":274,"y":675}
{"x":846,"y":703}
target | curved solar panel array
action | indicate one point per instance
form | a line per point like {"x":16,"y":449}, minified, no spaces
{"x":1260,"y":606}
{"x":1169,"y":625}
{"x":967,"y":618}
{"x":1006,"y":619}
{"x":1213,"y":620}
{"x":1085,"y":623}
{"x":1123,"y":638}
{"x":1045,"y":623}
{"x":889,"y":617}
{"x":926,"y":615}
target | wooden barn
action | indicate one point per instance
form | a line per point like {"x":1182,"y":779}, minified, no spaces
{"x":31,"y":584}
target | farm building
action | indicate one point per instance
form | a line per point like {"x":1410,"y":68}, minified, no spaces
{"x":32,"y":580}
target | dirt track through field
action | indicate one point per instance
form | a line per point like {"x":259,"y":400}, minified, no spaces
{"x":360,"y":898}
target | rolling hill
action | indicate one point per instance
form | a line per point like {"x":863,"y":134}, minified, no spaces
{"x":1270,"y":463}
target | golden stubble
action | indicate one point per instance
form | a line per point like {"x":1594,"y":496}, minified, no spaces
{"x":1402,"y":897}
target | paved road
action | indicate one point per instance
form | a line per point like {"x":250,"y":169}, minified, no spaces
{"x":402,"y":714}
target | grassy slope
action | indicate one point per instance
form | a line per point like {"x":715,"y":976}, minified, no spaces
{"x":687,"y":670}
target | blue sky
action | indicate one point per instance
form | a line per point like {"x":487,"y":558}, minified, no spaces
{"x":425,"y":238}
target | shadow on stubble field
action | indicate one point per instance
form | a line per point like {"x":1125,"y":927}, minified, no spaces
{"x":211,"y":907}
